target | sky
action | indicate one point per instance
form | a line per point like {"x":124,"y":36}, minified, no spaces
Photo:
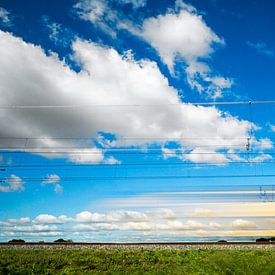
{"x":104,"y":135}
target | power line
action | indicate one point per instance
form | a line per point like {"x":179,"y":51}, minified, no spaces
{"x":190,"y":147}
{"x":124,"y":138}
{"x":145,"y":177}
{"x":126,"y":152}
{"x":72,"y":106}
{"x":134,"y":164}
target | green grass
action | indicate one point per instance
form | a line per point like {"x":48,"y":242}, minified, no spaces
{"x":137,"y":262}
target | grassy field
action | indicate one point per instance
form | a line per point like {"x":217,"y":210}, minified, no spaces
{"x":137,"y":262}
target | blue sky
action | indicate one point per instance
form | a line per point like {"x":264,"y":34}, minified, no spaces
{"x":141,"y":164}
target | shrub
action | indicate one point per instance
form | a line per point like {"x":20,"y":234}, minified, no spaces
{"x":16,"y":241}
{"x":63,"y":241}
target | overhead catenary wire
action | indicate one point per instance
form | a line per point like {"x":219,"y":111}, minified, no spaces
{"x":126,"y":152}
{"x":82,"y":165}
{"x":72,"y":106}
{"x":108,"y":178}
{"x":124,"y":138}
{"x":132,"y":150}
{"x":187,"y":147}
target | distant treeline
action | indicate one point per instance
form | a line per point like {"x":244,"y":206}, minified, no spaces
{"x":56,"y":241}
{"x":272,"y":239}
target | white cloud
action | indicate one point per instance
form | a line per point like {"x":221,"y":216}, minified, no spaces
{"x":169,"y":153}
{"x":104,"y":16}
{"x":189,"y":225}
{"x":199,"y":77}
{"x":36,"y":234}
{"x":58,"y":34}
{"x":99,"y":13}
{"x":93,"y":155}
{"x":26,"y":229}
{"x":203,"y":155}
{"x":5,"y":18}
{"x":180,"y":34}
{"x":12,"y":184}
{"x":106,"y":78}
{"x":272,"y":128}
{"x":135,"y":3}
{"x":21,"y":220}
{"x":180,"y":5}
{"x":115,"y":216}
{"x":261,"y":48}
{"x":183,"y":35}
{"x":263,"y":143}
{"x":86,"y":216}
{"x":203,"y":212}
{"x":215,"y":225}
{"x":50,"y":219}
{"x":163,"y":213}
{"x":123,"y":215}
{"x":51,"y":179}
{"x":243,"y":224}
{"x":261,"y":158}
{"x":158,"y":222}
{"x":112,"y":160}
{"x":58,"y":188}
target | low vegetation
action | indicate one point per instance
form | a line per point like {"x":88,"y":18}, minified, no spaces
{"x":137,"y":262}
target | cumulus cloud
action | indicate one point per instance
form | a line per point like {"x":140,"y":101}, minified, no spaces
{"x":21,"y":220}
{"x":208,"y":156}
{"x":53,"y":179}
{"x":50,"y":179}
{"x":163,"y":213}
{"x":157,"y":222}
{"x":189,"y":225}
{"x":179,"y":35}
{"x":243,"y":224}
{"x":34,"y":228}
{"x":10,"y":222}
{"x":29,"y":77}
{"x":50,"y":219}
{"x":34,"y":234}
{"x":183,"y":35}
{"x":263,"y":143}
{"x":115,"y":216}
{"x":12,"y":184}
{"x":87,"y":216}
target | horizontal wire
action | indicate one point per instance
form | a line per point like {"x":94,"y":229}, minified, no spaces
{"x":126,"y":138}
{"x":145,"y":177}
{"x":131,"y":153}
{"x":190,"y":147}
{"x":134,"y":105}
{"x":136,"y":164}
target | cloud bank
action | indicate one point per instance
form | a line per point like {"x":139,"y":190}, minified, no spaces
{"x":31,"y":77}
{"x":138,"y":225}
